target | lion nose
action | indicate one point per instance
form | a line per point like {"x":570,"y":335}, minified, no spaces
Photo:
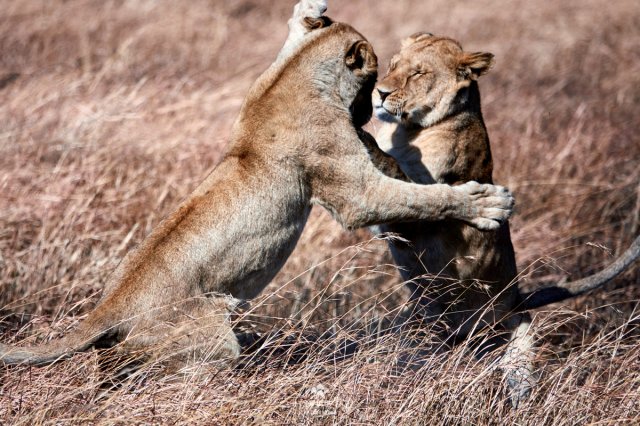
{"x":383,"y":93}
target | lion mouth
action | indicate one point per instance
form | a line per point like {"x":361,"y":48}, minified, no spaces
{"x":383,"y":114}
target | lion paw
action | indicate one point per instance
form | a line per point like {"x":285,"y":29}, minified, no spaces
{"x":302,"y":12}
{"x":310,"y":9}
{"x":490,"y":205}
{"x":520,"y":382}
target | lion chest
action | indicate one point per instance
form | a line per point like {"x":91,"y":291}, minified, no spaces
{"x":426,"y":162}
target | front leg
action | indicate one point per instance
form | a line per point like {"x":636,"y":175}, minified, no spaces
{"x":306,"y":17}
{"x":359,"y":195}
{"x":380,"y":159}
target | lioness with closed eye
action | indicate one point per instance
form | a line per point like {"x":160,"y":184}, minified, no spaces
{"x":459,"y":275}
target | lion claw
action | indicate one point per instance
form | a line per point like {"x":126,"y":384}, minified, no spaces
{"x":310,"y":9}
{"x":491,"y":205}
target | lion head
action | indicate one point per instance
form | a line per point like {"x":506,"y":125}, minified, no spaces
{"x":347,"y":80}
{"x":429,"y":79}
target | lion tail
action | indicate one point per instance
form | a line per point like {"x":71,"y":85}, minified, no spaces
{"x":547,"y":295}
{"x":96,"y":328}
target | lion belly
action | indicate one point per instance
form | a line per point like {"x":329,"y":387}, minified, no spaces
{"x":244,"y":259}
{"x":223,"y":239}
{"x":452,"y":268}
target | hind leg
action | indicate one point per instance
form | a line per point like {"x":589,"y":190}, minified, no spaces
{"x":517,"y":361}
{"x":195,"y":330}
{"x":205,"y":336}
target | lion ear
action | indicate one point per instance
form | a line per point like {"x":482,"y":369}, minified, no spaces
{"x":414,"y":39}
{"x":317,"y":23}
{"x":361,"y":58}
{"x":473,"y":65}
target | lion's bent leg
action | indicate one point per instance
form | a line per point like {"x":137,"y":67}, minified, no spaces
{"x":517,"y":361}
{"x":196,"y":330}
{"x":298,"y":28}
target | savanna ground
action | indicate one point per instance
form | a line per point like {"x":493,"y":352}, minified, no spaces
{"x":112,"y":111}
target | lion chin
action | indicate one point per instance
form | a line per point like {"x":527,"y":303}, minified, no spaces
{"x":383,"y":115}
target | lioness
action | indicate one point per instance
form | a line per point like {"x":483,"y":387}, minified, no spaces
{"x":435,"y":130}
{"x":295,"y":143}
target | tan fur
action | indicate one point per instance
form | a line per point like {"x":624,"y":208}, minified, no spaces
{"x":441,"y":138}
{"x":457,"y":274}
{"x":295,"y":143}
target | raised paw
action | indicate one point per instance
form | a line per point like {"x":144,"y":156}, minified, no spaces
{"x":489,"y":205}
{"x":300,"y":24}
{"x":310,"y":9}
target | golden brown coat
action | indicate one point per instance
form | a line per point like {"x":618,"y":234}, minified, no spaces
{"x":296,"y":142}
{"x":457,"y":274}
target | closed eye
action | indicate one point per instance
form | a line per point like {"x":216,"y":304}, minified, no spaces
{"x":419,"y":73}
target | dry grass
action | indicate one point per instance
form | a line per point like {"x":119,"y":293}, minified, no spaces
{"x":112,"y":111}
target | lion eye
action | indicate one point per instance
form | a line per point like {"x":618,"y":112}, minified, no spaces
{"x":419,"y":72}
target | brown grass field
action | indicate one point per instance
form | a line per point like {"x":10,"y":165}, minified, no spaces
{"x":112,"y":111}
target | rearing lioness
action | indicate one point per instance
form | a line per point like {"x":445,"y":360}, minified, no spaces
{"x":457,"y":274}
{"x":295,"y":143}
